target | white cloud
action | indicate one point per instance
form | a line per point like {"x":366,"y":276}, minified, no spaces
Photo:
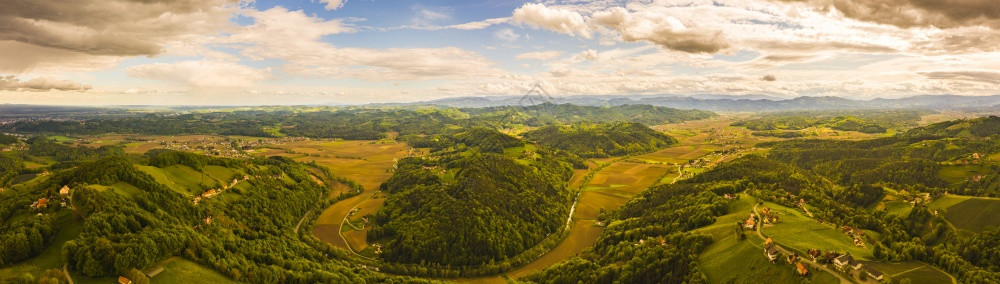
{"x":333,"y":4}
{"x":539,"y":55}
{"x":506,"y":34}
{"x":296,"y":39}
{"x":201,"y":73}
{"x":554,"y":19}
{"x":663,"y":30}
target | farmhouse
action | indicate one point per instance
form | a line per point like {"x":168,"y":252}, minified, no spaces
{"x":750,"y":222}
{"x":846,"y":260}
{"x":815,"y":253}
{"x":123,"y":280}
{"x":771,"y":251}
{"x":40,"y":204}
{"x":64,"y":190}
{"x":874,"y":273}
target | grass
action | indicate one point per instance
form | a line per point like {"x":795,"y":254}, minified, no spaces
{"x":797,"y":231}
{"x":947,"y":201}
{"x":917,"y":272}
{"x":958,"y":174}
{"x":181,"y":178}
{"x":179,"y":270}
{"x":974,"y":214}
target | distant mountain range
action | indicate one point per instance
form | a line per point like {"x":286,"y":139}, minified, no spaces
{"x":728,"y":103}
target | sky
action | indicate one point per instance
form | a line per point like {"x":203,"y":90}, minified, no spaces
{"x":268,"y":52}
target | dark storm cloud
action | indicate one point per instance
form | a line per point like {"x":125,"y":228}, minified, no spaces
{"x":769,"y":78}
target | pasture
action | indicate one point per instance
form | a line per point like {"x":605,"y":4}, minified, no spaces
{"x":916,"y":272}
{"x":180,"y":270}
{"x":958,"y":174}
{"x":974,"y":214}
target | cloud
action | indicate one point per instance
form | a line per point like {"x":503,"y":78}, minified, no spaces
{"x":539,"y":55}
{"x":917,"y":13}
{"x":470,"y":26}
{"x":40,"y":84}
{"x":507,"y":34}
{"x":666,"y":31}
{"x":975,"y":76}
{"x":333,"y":4}
{"x":297,"y":40}
{"x":110,"y":27}
{"x":589,"y":54}
{"x":554,"y":19}
{"x":769,"y":78}
{"x":201,"y":73}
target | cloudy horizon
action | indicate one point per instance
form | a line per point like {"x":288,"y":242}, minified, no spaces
{"x":229,"y":52}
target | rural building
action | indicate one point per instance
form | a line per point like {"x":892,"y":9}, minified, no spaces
{"x":771,"y":251}
{"x":64,"y":190}
{"x":803,"y":271}
{"x":846,"y":260}
{"x":123,"y":280}
{"x":815,"y":253}
{"x":874,"y":273}
{"x":40,"y":204}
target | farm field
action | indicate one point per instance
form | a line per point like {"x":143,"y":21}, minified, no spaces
{"x":973,"y":214}
{"x":368,"y":163}
{"x":180,"y":270}
{"x":958,"y":174}
{"x":797,"y":231}
{"x":916,"y":272}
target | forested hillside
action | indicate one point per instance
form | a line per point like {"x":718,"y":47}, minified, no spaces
{"x":601,"y":140}
{"x":130,"y":220}
{"x":470,"y":205}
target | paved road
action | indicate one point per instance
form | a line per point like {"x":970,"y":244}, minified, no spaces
{"x":843,"y":280}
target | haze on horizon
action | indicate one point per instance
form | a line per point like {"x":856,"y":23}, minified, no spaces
{"x":228,"y":52}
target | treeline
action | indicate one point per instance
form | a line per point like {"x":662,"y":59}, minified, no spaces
{"x":601,"y":140}
{"x":868,"y":121}
{"x":549,"y":113}
{"x":352,"y":123}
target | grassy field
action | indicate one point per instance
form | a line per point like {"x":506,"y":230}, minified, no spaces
{"x":797,"y":231}
{"x":182,"y":179}
{"x":946,"y":201}
{"x":958,"y":174}
{"x":179,"y":270}
{"x":917,"y":272}
{"x":974,"y":214}
{"x":894,"y":203}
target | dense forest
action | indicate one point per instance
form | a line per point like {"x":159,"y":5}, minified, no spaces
{"x":601,"y":140}
{"x":444,"y":209}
